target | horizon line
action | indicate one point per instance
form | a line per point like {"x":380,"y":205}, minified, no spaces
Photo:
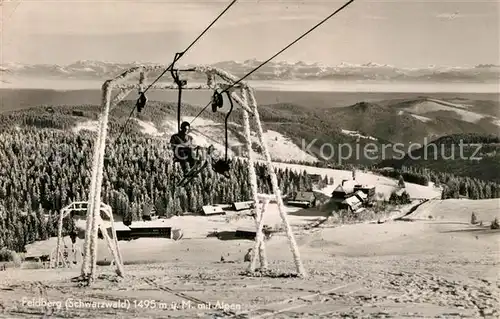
{"x":239,"y":61}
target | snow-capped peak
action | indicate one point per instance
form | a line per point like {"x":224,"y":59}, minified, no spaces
{"x":280,"y":70}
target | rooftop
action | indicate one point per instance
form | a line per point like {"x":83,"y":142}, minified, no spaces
{"x":347,"y":188}
{"x":361,"y":195}
{"x":304,"y":196}
{"x":158,"y":223}
{"x":365,"y":186}
{"x":352,"y":201}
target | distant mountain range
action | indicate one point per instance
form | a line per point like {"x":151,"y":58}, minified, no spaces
{"x":97,"y":70}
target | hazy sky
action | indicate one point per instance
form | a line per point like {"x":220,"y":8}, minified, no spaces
{"x":406,"y":33}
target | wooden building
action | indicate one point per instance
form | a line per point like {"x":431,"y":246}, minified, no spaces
{"x":352,"y":204}
{"x":142,"y":229}
{"x":302,"y":199}
{"x":366,"y":189}
{"x":361,"y":196}
{"x":343,"y":191}
{"x":213,"y":210}
{"x":352,"y":196}
{"x":250,"y":233}
{"x":239,"y":206}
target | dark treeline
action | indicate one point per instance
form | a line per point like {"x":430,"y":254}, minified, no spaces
{"x":453,"y":186}
{"x":469,"y":155}
{"x":41,"y":171}
{"x":469,"y":138}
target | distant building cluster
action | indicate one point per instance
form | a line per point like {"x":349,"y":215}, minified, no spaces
{"x":352,"y":196}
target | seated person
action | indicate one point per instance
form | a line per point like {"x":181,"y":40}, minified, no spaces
{"x":182,"y":146}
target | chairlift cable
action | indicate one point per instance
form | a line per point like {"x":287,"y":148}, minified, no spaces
{"x":125,"y":125}
{"x":207,"y":136}
{"x":178,"y":57}
{"x":278,"y":53}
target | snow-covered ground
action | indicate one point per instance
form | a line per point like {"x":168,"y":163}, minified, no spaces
{"x":462,"y":106}
{"x":421,"y":118}
{"x":433,"y":106}
{"x":87,"y":125}
{"x":282,"y":148}
{"x":148,"y":128}
{"x":358,"y":135}
{"x":394,"y":268}
{"x":459,"y":210}
{"x":207,"y":132}
{"x":433,"y":268}
{"x":199,"y":227}
{"x":384,"y":185}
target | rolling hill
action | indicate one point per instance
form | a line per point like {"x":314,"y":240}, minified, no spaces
{"x":413,"y":120}
{"x":458,"y":210}
{"x":344,"y":132}
{"x":392,"y":127}
{"x":19,"y":98}
{"x":472,"y":155}
{"x":157,"y":121}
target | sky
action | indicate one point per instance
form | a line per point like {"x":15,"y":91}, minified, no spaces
{"x":403,"y":33}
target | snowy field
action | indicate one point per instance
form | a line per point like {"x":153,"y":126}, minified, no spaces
{"x":384,"y":185}
{"x":390,"y":270}
{"x":432,"y":265}
{"x":459,"y":210}
{"x":207,"y":132}
{"x":435,"y":105}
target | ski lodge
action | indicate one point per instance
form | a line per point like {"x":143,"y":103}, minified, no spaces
{"x":302,"y":199}
{"x":352,"y":196}
{"x":158,"y":228}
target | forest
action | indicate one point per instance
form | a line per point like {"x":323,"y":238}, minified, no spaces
{"x":44,"y":170}
{"x":44,"y":167}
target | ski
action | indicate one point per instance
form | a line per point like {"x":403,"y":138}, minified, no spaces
{"x":191,"y":174}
